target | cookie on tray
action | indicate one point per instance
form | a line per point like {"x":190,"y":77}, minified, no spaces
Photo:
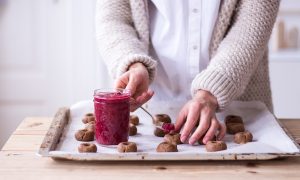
{"x":87,"y":148}
{"x":124,"y":147}
{"x":84,"y":135}
{"x":212,"y":146}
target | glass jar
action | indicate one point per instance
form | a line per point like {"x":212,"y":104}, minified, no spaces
{"x":112,"y":110}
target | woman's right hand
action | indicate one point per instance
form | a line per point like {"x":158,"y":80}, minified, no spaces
{"x":136,"y":79}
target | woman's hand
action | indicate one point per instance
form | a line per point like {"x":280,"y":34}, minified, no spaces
{"x":136,"y":79}
{"x":202,"y":109}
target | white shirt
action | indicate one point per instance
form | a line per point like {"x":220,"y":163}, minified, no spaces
{"x":180,"y":31}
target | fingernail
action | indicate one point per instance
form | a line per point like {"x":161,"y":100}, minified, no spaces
{"x":183,"y":138}
{"x":192,"y":141}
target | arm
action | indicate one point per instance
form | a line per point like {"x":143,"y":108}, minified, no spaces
{"x":229,"y":70}
{"x":237,"y":57}
{"x":118,"y":42}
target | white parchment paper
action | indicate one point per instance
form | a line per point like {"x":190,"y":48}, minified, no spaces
{"x":268,"y":136}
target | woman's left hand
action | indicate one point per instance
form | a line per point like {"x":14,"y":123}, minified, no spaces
{"x":202,"y":109}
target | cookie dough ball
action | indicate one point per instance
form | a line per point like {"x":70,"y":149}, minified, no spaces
{"x":233,"y":128}
{"x":124,"y":147}
{"x":159,"y":132}
{"x":234,"y":124}
{"x":133,"y":119}
{"x":87,"y":148}
{"x":132,"y":130}
{"x":158,"y":119}
{"x":212,"y":146}
{"x":88,"y":118}
{"x":90,"y":126}
{"x":84,"y":135}
{"x":173,"y":138}
{"x":200,"y":141}
{"x":233,"y":119}
{"x":166,"y":147}
{"x":243,"y":137}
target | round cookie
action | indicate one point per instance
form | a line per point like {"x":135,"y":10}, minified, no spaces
{"x":159,"y":132}
{"x":127,"y":147}
{"x":173,"y":138}
{"x":233,"y":119}
{"x":88,"y":118}
{"x":166,"y":147}
{"x":212,"y":146}
{"x":243,"y":137}
{"x":132,"y":130}
{"x":233,"y":128}
{"x":90,"y":126}
{"x":84,"y":135}
{"x":234,"y":124}
{"x":87,"y":147}
{"x":161,"y":118}
{"x":133,"y":119}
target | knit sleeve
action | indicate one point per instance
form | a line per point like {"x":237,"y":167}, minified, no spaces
{"x":118,"y":41}
{"x":239,"y":53}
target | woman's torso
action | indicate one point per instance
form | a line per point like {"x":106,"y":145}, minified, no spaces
{"x":180,"y":33}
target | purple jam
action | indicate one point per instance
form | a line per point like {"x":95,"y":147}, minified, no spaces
{"x":112,"y":111}
{"x":168,"y":127}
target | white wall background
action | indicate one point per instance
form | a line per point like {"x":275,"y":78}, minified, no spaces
{"x":285,"y":66}
{"x":49,"y":59}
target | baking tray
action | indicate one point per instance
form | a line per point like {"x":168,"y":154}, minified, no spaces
{"x":62,"y":120}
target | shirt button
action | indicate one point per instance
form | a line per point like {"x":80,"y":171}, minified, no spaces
{"x":195,"y":47}
{"x":195,"y":10}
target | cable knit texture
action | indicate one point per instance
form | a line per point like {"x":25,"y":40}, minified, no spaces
{"x":121,"y":40}
{"x":238,"y":68}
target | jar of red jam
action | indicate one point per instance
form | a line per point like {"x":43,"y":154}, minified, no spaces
{"x":112,"y":109}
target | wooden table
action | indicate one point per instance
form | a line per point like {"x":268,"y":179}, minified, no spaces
{"x":18,"y":160}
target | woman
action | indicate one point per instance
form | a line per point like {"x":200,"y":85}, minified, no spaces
{"x":218,"y":48}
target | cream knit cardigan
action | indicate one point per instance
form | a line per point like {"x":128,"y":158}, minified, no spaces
{"x":238,"y":68}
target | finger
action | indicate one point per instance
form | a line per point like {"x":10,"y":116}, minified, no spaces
{"x":122,"y":81}
{"x":134,"y":104}
{"x":191,"y":120}
{"x":132,"y":85}
{"x":180,"y":118}
{"x":145,"y":97}
{"x":211,"y":131}
{"x":205,"y":118}
{"x":222,"y":131}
